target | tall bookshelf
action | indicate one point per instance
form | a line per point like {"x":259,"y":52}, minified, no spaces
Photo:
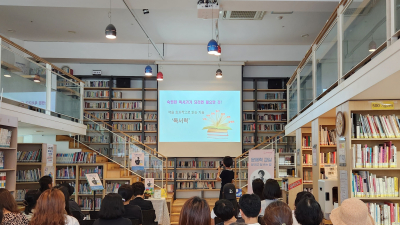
{"x":264,"y":111}
{"x":304,"y":144}
{"x":141,"y":122}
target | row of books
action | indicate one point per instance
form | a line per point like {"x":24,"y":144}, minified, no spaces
{"x":171,"y":164}
{"x":199,"y":164}
{"x":249,"y":116}
{"x":196,"y":176}
{"x":5,"y":137}
{"x":377,"y":126}
{"x":386,"y":213}
{"x":97,"y":94}
{"x":286,"y":160}
{"x":272,"y":117}
{"x":95,"y":127}
{"x":307,"y":159}
{"x":20,"y":195}
{"x":169,"y":175}
{"x":150,"y":127}
{"x":97,"y":169}
{"x":97,"y":105}
{"x":98,"y":115}
{"x":285,"y":150}
{"x":32,"y":175}
{"x":328,"y":157}
{"x":328,"y":137}
{"x":127,"y":105}
{"x":248,"y":139}
{"x":277,"y":140}
{"x":242,"y":175}
{"x":84,"y":189}
{"x":128,"y":127}
{"x":101,"y":83}
{"x":271,"y":127}
{"x":3,"y":178}
{"x":306,"y":142}
{"x":127,"y":116}
{"x":377,"y":156}
{"x":152,"y":162}
{"x":66,"y":173}
{"x":96,"y":139}
{"x":286,"y":172}
{"x":29,"y":156}
{"x":150,"y":116}
{"x":112,"y":187}
{"x":1,"y":160}
{"x":366,"y":184}
{"x":195,"y":185}
{"x":307,"y":176}
{"x":280,"y":95}
{"x":117,"y":94}
{"x":272,"y":106}
{"x":77,"y":157}
{"x":150,"y":139}
{"x":249,"y":127}
{"x":87,"y":203}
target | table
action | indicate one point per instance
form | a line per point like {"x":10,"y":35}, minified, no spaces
{"x":161,"y":208}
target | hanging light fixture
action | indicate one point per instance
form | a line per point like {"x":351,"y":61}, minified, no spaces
{"x":219,"y":73}
{"x":36,"y":79}
{"x":7,"y":75}
{"x":219,"y":51}
{"x":372,"y":45}
{"x":148,"y":71}
{"x":212,"y":46}
{"x":111,"y":32}
{"x":160,"y":76}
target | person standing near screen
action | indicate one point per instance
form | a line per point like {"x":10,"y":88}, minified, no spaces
{"x":226,"y":175}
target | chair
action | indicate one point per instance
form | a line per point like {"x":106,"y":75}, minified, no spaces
{"x":218,"y":220}
{"x":77,"y":215}
{"x":94,"y":215}
{"x":148,"y":217}
{"x":86,"y":222}
{"x":135,"y":221}
{"x":261,"y":220}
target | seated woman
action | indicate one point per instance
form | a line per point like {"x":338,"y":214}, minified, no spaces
{"x":131,"y":211}
{"x":195,"y":211}
{"x":308,"y":212}
{"x":278,"y":212}
{"x":224,"y":210}
{"x":11,"y":214}
{"x":31,"y":198}
{"x":112,"y":211}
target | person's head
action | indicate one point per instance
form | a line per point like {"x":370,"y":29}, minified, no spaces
{"x":111,"y":207}
{"x":227,"y":161}
{"x":351,"y":212}
{"x":308,"y":212}
{"x":126,"y":192}
{"x":272,"y":190}
{"x":46,"y":182}
{"x":1,"y":215}
{"x":258,"y":188}
{"x":7,"y":201}
{"x":65,"y":192}
{"x":261,"y":173}
{"x":278,"y":213}
{"x":138,"y":188}
{"x":50,"y":208}
{"x":224,"y":210}
{"x":229,"y":191}
{"x":250,"y":206}
{"x":301,"y":195}
{"x":195,"y":211}
{"x":71,"y":189}
{"x":31,"y":198}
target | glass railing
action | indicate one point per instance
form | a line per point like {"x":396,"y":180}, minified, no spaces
{"x":306,"y":84}
{"x":35,"y":86}
{"x":293,"y":109}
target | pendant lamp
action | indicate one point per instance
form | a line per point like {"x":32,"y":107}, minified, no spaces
{"x":148,"y":71}
{"x":111,"y":32}
{"x":372,"y":46}
{"x":160,"y":76}
{"x":212,"y":47}
{"x":36,"y":79}
{"x":218,"y":51}
{"x":219,"y":73}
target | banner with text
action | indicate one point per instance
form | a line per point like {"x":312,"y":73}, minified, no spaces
{"x":261,"y":166}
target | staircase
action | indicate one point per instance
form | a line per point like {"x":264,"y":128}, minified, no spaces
{"x":178,"y":204}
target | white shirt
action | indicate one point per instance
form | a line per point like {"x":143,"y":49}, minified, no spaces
{"x":253,"y":224}
{"x":69,"y":220}
{"x":264,"y":205}
{"x":294,"y":219}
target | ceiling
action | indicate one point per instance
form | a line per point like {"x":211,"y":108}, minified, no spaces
{"x":172,"y":22}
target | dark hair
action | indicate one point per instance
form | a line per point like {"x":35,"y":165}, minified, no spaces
{"x":308,"y":212}
{"x":1,"y":215}
{"x":7,"y":201}
{"x":228,"y":161}
{"x":224,"y":210}
{"x":111,"y":207}
{"x":258,"y":188}
{"x":195,"y":211}
{"x":64,"y":190}
{"x":126,"y":192}
{"x":301,"y":195}
{"x":138,"y":188}
{"x":71,"y":189}
{"x":262,"y":172}
{"x":278,"y":213}
{"x":272,"y":190}
{"x":250,"y":205}
{"x":44,"y":183}
{"x":31,"y":198}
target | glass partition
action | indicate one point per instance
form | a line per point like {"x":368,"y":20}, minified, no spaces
{"x":306,"y":84}
{"x":293,"y":99}
{"x":327,"y":62}
{"x":67,"y":95}
{"x":397,"y":15}
{"x":364,"y":29}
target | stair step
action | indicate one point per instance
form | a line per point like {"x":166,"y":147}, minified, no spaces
{"x":62,"y":138}
{"x":174,"y":222}
{"x":175,"y":217}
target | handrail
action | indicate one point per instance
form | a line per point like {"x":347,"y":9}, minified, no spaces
{"x":262,"y":143}
{"x":36,"y":57}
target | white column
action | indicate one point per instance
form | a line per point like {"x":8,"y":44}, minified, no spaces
{"x":82,"y":89}
{"x":391,"y":15}
{"x":314,"y":73}
{"x":298,"y":91}
{"x":48,"y":89}
{"x":288,"y":101}
{"x":340,"y":42}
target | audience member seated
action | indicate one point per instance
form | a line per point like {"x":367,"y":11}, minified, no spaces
{"x":250,"y":207}
{"x":131,"y":211}
{"x":258,"y":188}
{"x":278,"y":213}
{"x":138,"y":192}
{"x":50,"y":209}
{"x":195,"y":211}
{"x":230,"y":195}
{"x":31,"y":198}
{"x":300,"y":196}
{"x":11,"y":214}
{"x":46,"y":182}
{"x":65,"y":192}
{"x":112,"y":211}
{"x":224,"y":210}
{"x":351,"y":212}
{"x":73,"y":206}
{"x":308,"y":212}
{"x":272,"y":192}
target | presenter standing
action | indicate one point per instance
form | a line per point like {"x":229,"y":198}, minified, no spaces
{"x":226,"y":175}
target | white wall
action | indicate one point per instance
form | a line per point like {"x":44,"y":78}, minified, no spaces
{"x":62,"y":146}
{"x":108,"y":69}
{"x":268,"y":71}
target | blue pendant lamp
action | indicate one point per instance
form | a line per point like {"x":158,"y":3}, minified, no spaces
{"x":148,"y":71}
{"x":212,"y":47}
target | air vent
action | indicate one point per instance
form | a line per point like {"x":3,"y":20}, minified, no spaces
{"x":243,"y":15}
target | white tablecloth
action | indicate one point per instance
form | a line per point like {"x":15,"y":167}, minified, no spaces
{"x":161,"y":208}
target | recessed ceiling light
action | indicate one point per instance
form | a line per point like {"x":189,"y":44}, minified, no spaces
{"x":11,"y":30}
{"x":7,"y":75}
{"x":39,"y":131}
{"x":305,"y":35}
{"x":72,"y":32}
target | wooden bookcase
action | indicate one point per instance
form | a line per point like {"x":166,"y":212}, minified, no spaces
{"x":289,"y":193}
{"x":305,"y":169}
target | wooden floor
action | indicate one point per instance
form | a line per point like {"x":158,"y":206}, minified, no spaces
{"x":177,"y":206}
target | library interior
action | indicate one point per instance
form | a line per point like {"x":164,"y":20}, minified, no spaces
{"x":296,"y":104}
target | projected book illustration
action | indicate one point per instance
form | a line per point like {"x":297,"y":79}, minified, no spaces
{"x":218,"y":129}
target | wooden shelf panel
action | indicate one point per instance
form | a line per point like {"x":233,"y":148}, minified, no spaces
{"x":271,"y":110}
{"x":248,"y":90}
{"x":271,"y":90}
{"x":7,"y":148}
{"x":263,"y":121}
{"x":153,"y":121}
{"x":327,"y":146}
{"x":249,"y":144}
{"x":127,"y":99}
{"x":127,"y":89}
{"x":375,"y":139}
{"x":19,"y":182}
{"x":252,"y":131}
{"x":96,"y":88}
{"x":249,"y":100}
{"x":29,"y":163}
{"x":151,"y":100}
{"x":248,"y":110}
{"x":271,"y":100}
{"x":126,"y":120}
{"x":150,"y":89}
{"x":87,"y":109}
{"x":96,"y":99}
{"x":268,"y":132}
{"x":196,"y":168}
{"x":6,"y":170}
{"x":249,"y":121}
{"x":377,"y":169}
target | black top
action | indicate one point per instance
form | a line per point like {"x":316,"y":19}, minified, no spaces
{"x":133,"y":212}
{"x":143,"y":204}
{"x":226,"y":177}
{"x":119,"y":221}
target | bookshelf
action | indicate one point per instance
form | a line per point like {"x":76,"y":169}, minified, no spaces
{"x":264,"y":110}
{"x":303,"y":143}
{"x":9,"y":152}
{"x":131,"y":110}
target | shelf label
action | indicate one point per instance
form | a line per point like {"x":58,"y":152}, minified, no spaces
{"x":342,"y":151}
{"x":49,"y":155}
{"x":384,"y":105}
{"x":314,"y":155}
{"x":295,"y":184}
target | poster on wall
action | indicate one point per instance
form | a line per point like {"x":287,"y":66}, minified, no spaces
{"x":261,"y":165}
{"x":137,"y":162}
{"x":149,"y":184}
{"x":49,"y":155}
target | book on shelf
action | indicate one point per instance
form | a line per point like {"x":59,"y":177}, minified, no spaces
{"x":128,"y":127}
{"x":97,"y":105}
{"x":155,"y":175}
{"x":97,"y":169}
{"x":153,"y":162}
{"x":287,"y":172}
{"x":150,"y":116}
{"x":170,"y":188}
{"x":150,"y":127}
{"x":127,"y":116}
{"x":127,"y":105}
{"x":20,"y":195}
{"x":271,"y":127}
{"x":307,"y":175}
{"x":249,"y":127}
{"x":87,"y":203}
{"x":171,"y":164}
{"x":29,"y":156}
{"x":384,"y":212}
{"x":286,"y":160}
{"x":272,"y":117}
{"x":32,"y":175}
{"x":195,"y":185}
{"x":112,"y":187}
{"x":117,"y":94}
{"x":1,"y":160}
{"x":249,"y":116}
{"x":196,"y":176}
{"x":95,"y":127}
{"x":248,"y":139}
{"x":377,"y":156}
{"x":98,"y":115}
{"x":272,"y":106}
{"x":375,"y":126}
{"x":101,"y":83}
{"x":96,"y":139}
{"x":97,"y":94}
{"x":242,"y":175}
{"x":278,"y":95}
{"x":241,"y":164}
{"x":66,"y":173}
{"x":77,"y":157}
{"x":306,"y":142}
{"x":84,"y":189}
{"x":199,"y":164}
{"x":307,"y":159}
{"x":5,"y":137}
{"x":328,"y":158}
{"x":150,"y":139}
{"x":368,"y":185}
{"x":328,"y":137}
{"x":3,"y":178}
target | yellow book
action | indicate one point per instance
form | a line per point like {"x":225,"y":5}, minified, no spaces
{"x":396,"y":187}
